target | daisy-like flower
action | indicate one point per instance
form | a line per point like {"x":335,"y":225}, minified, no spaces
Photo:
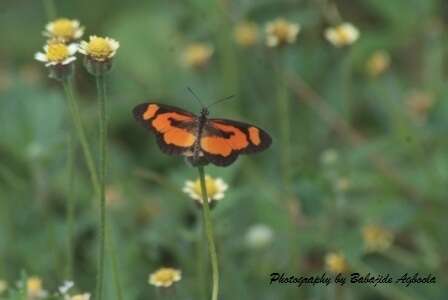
{"x":57,"y":53}
{"x":246,"y":34}
{"x":63,"y":289}
{"x":342,"y":35}
{"x":99,"y":52}
{"x":197,"y":55}
{"x":3,"y":286}
{"x":85,"y":296}
{"x":376,"y":238}
{"x":64,"y":30}
{"x":34,"y":288}
{"x":259,"y":236}
{"x":378,"y":62}
{"x":164,"y":277}
{"x":215,"y":189}
{"x":336,"y":263}
{"x":99,"y":48}
{"x":281,"y":32}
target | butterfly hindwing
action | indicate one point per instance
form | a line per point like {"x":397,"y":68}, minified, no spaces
{"x":223,"y":140}
{"x":175,"y":128}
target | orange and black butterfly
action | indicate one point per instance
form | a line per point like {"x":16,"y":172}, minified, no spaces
{"x":200,"y":139}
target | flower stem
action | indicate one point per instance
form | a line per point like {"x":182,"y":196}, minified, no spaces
{"x":200,"y":263}
{"x":209,"y":232}
{"x":101,"y":90}
{"x":70,"y":204}
{"x":113,"y":254}
{"x":76,"y":117}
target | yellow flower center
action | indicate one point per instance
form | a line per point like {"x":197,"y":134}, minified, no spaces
{"x":34,"y":285}
{"x":57,"y":52}
{"x":212,"y":188}
{"x":63,"y":28}
{"x":99,"y":47}
{"x":336,"y":263}
{"x":344,"y":35}
{"x":197,"y":55}
{"x":246,"y":34}
{"x":166,"y":276}
{"x":80,"y":297}
{"x":377,"y":238}
{"x":281,"y":30}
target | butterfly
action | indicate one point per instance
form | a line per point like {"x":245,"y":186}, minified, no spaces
{"x":199,"y":138}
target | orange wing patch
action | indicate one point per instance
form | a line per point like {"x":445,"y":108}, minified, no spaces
{"x":237,"y":140}
{"x":254,"y":135}
{"x":171,"y":134}
{"x":150,"y":112}
{"x":223,"y":146}
{"x":216,"y":145}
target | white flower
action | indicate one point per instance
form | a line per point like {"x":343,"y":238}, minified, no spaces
{"x":246,"y":34}
{"x":197,"y":55}
{"x":165,"y":277}
{"x":99,"y":48}
{"x":342,"y":35}
{"x":64,"y":30}
{"x":336,"y":263}
{"x":34,"y":288}
{"x":215,"y":189}
{"x":85,"y":296}
{"x":378,"y":62}
{"x":57,"y":54}
{"x":259,"y":236}
{"x":281,"y":32}
{"x":63,"y":289}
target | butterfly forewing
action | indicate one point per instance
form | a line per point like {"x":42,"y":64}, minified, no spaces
{"x":175,"y":129}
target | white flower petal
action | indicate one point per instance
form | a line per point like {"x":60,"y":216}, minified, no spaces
{"x":68,"y":60}
{"x":187,"y":190}
{"x":114,"y":45}
{"x":49,"y":27}
{"x":112,"y":54}
{"x":40,"y":57}
{"x":218,"y":196}
{"x":78,"y":33}
{"x":73,"y":48}
{"x":272,"y":41}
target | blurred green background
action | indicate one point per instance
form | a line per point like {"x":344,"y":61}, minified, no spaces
{"x":356,"y":143}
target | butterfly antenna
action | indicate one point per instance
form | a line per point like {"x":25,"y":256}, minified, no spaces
{"x":221,"y":100}
{"x":195,"y":96}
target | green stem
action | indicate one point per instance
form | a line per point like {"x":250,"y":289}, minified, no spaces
{"x":70,"y":205}
{"x":113,"y":254}
{"x":101,"y":90}
{"x":202,"y":288}
{"x":50,"y":9}
{"x":209,"y":232}
{"x":76,"y":117}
